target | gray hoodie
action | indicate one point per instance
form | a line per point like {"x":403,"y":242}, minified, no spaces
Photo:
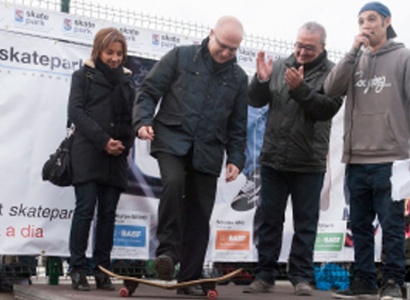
{"x":377,"y":108}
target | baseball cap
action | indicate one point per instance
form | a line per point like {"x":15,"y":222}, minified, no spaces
{"x":384,"y":11}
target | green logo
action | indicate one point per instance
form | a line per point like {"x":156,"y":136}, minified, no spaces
{"x":329,"y":241}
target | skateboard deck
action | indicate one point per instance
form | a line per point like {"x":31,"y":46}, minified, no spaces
{"x":212,"y":293}
{"x":172,"y":286}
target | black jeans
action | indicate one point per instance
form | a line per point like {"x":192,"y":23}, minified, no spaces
{"x":304,"y":189}
{"x":88,"y":196}
{"x":184,"y":211}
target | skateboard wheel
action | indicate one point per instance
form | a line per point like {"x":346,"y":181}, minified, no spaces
{"x":131,"y":286}
{"x":123,"y":292}
{"x":212,"y":294}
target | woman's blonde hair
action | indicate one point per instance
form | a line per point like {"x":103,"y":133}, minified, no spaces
{"x":103,"y":38}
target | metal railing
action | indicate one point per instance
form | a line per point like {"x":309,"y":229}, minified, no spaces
{"x":140,"y":19}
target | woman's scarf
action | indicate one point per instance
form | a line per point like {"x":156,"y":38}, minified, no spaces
{"x":121,"y":104}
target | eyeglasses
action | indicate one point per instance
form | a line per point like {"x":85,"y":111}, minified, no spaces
{"x":308,"y":48}
{"x":223,"y":46}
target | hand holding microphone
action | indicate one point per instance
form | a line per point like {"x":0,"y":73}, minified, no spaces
{"x":362,"y":40}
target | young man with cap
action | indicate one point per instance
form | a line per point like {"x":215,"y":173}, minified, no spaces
{"x":375,"y":77}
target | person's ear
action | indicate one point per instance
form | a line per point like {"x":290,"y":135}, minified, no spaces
{"x":387,"y":21}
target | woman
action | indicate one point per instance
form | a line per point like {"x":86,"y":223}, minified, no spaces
{"x":100,"y":103}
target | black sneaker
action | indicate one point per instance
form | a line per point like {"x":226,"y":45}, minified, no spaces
{"x":358,"y":290}
{"x":103,"y":282}
{"x":390,"y":291}
{"x":79,"y":281}
{"x":165,"y":267}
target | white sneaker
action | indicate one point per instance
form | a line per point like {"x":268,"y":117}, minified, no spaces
{"x":303,"y":289}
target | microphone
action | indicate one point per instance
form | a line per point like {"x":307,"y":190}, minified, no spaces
{"x":367,"y":36}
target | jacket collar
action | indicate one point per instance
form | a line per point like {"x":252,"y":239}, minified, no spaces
{"x":291,"y":61}
{"x":89,"y":63}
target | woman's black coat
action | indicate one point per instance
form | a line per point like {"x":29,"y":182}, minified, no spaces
{"x":92,"y":115}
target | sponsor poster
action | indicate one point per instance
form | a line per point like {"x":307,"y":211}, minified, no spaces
{"x":131,"y":235}
{"x":330,"y":241}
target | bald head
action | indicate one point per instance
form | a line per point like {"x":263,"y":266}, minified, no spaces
{"x":229,"y":24}
{"x":225,"y":39}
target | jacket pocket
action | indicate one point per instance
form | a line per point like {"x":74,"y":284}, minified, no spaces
{"x":168,"y":119}
{"x":190,"y":81}
{"x":380,"y":138}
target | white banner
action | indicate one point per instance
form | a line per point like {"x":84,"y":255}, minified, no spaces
{"x":80,"y":29}
{"x":35,"y":73}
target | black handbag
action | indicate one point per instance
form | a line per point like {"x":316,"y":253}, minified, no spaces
{"x":57,"y":169}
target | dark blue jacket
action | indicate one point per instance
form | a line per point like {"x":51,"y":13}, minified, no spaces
{"x":201,"y":109}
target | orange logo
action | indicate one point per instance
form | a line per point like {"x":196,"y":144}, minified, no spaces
{"x":232,"y":240}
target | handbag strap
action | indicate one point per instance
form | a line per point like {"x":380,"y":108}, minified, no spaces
{"x":88,"y":75}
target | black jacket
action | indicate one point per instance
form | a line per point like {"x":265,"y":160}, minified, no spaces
{"x":201,"y":109}
{"x":94,"y":124}
{"x":298,"y":125}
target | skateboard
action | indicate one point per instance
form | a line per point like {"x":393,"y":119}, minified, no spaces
{"x":131,"y":283}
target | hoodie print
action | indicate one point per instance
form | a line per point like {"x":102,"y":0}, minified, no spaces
{"x":378,"y":83}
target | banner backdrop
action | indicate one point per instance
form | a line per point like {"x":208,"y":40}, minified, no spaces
{"x":35,"y":216}
{"x":141,"y":41}
{"x":35,"y":73}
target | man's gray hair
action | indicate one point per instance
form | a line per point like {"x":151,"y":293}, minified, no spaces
{"x":314,"y":28}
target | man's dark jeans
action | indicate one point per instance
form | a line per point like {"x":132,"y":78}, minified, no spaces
{"x":370,"y":196}
{"x":304,"y":189}
{"x":88,"y":195}
{"x":184,"y":211}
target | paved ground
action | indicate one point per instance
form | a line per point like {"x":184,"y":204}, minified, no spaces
{"x":42,"y":291}
{"x":6,"y":296}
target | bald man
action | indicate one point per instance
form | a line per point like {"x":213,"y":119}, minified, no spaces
{"x":201,"y":118}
